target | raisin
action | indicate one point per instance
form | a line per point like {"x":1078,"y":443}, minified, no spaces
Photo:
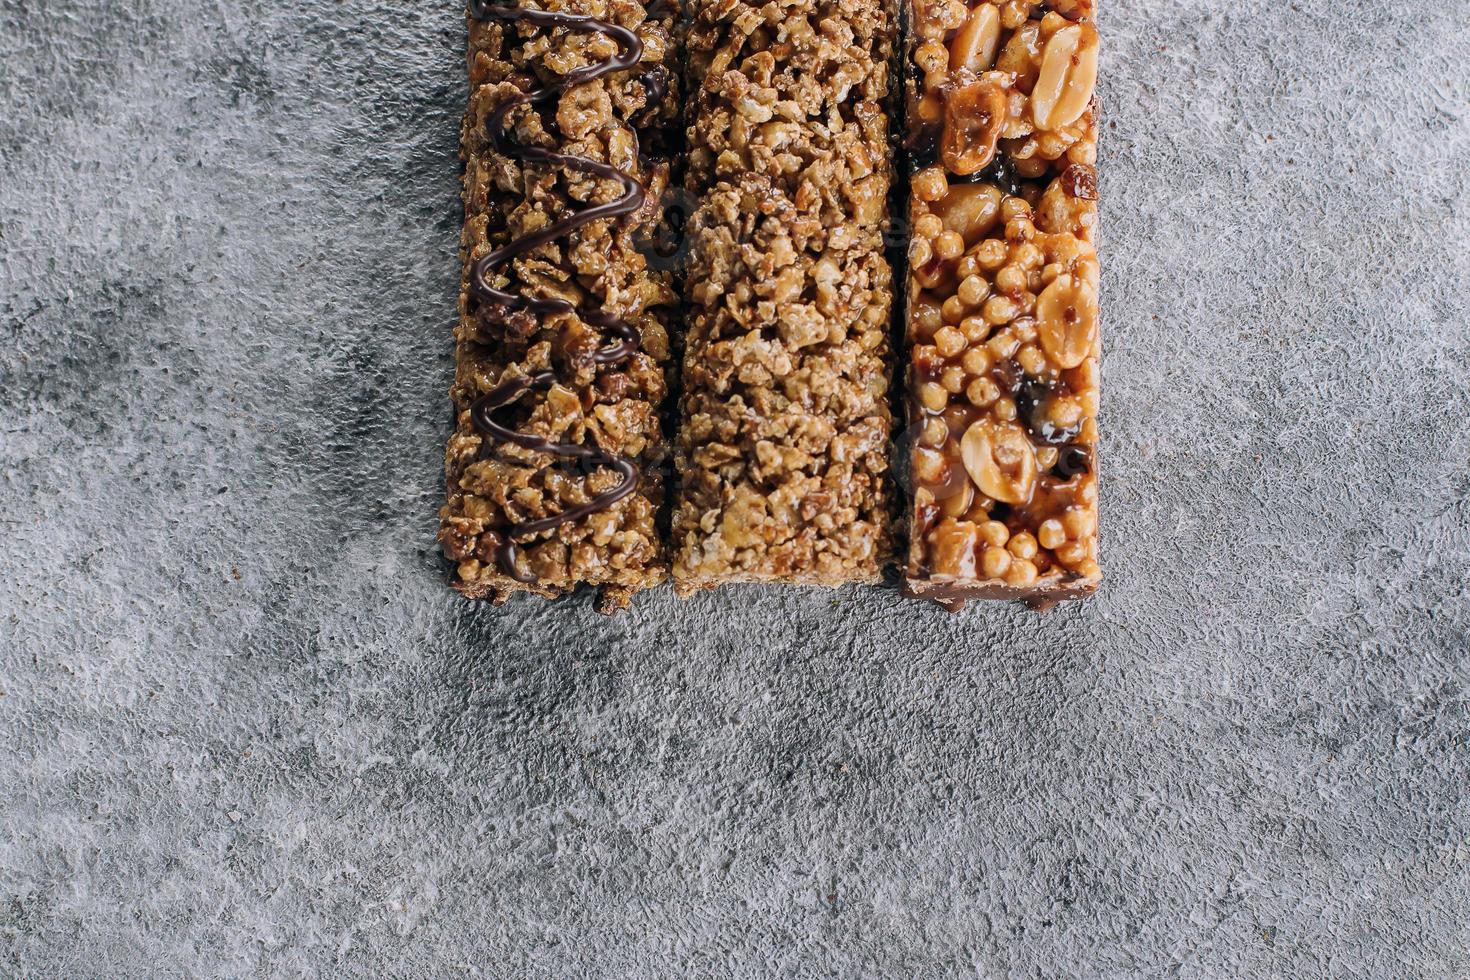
{"x":1032,"y":399}
{"x":1073,"y":461}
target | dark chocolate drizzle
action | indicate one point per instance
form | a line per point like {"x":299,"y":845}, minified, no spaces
{"x":627,"y":344}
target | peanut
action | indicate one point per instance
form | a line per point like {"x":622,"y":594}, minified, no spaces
{"x":970,"y":210}
{"x":1067,"y":78}
{"x":1066,"y":314}
{"x":975,"y":45}
{"x":956,"y":504}
{"x":974,"y":115}
{"x":1001,"y":460}
{"x":952,"y":549}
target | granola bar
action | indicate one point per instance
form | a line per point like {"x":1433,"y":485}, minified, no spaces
{"x":794,"y":92}
{"x":784,"y":430}
{"x":1003,"y":300}
{"x":562,"y":342}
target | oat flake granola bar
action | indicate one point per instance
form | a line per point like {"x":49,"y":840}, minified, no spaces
{"x":1002,"y":300}
{"x":563,"y":335}
{"x":784,"y":425}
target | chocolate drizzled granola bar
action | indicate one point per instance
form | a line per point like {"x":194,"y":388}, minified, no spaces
{"x":1003,"y":300}
{"x":783,"y":445}
{"x":562,"y":341}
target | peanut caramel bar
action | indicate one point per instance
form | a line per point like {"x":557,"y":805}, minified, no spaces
{"x":562,"y":342}
{"x":1002,"y":314}
{"x":783,"y":444}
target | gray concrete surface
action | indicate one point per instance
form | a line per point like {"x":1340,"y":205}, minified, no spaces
{"x":246,"y":731}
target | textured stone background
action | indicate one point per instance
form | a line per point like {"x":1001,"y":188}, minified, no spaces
{"x":247,"y":731}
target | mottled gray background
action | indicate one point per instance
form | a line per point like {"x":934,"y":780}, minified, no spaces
{"x":247,"y":731}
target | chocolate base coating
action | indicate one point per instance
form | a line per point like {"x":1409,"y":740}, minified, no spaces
{"x":1043,"y":596}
